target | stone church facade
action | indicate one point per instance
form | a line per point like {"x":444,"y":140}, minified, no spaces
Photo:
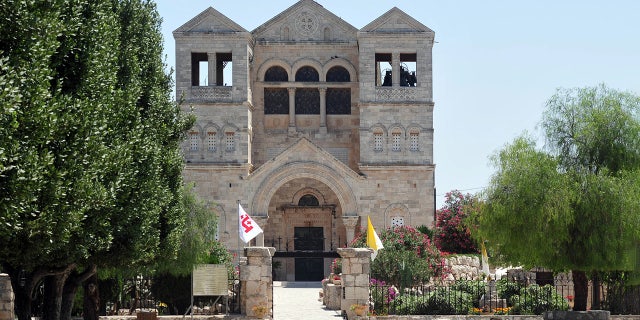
{"x":311,"y":125}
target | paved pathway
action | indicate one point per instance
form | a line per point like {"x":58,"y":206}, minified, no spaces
{"x":300,"y":300}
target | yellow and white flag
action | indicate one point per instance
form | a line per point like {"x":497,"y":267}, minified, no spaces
{"x":373,"y":241}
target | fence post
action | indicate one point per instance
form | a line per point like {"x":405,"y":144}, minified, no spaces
{"x":356,"y":266}
{"x":256,"y":283}
{"x":6,"y":298}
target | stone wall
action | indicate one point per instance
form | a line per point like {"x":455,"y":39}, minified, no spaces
{"x":256,"y":284}
{"x":464,"y":267}
{"x":6,"y":298}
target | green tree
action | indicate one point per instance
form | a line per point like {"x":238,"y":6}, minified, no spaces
{"x":572,"y":205}
{"x":90,"y":169}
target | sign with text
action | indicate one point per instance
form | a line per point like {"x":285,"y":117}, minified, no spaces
{"x":210,"y":280}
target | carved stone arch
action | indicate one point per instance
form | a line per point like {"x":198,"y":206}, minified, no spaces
{"x":396,"y":127}
{"x":396,"y":210}
{"x":271,"y":63}
{"x":210,"y":126}
{"x":197,"y":128}
{"x":414,"y":128}
{"x":353,"y":74}
{"x":377,"y":127}
{"x":306,"y":62}
{"x":303,"y":169}
{"x":308,"y":190}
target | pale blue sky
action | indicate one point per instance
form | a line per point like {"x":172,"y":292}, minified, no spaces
{"x":495,"y":63}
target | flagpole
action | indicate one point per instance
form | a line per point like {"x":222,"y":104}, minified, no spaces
{"x":238,"y":237}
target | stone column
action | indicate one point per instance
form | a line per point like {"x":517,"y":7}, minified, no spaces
{"x":292,"y":108}
{"x":323,"y":109}
{"x":256,"y":284}
{"x":356,"y":266}
{"x":395,"y":66}
{"x":212,"y":72}
{"x":350,"y":223}
{"x":6,"y":298}
{"x":262,"y":222}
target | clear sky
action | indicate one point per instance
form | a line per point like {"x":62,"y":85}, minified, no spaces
{"x":495,"y":63}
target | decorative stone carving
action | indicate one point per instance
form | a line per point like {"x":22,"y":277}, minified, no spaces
{"x":306,"y":23}
{"x":396,"y":94}
{"x":211,"y":94}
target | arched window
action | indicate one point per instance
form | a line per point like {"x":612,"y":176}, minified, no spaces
{"x":338,"y":74}
{"x":194,"y":141}
{"x":276,"y":73}
{"x":378,"y":139}
{"x":338,"y":99}
{"x":211,"y":141}
{"x":396,"y":136}
{"x":414,"y":137}
{"x":308,"y":200}
{"x":307,"y":74}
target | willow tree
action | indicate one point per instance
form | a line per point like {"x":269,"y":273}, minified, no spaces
{"x":573,"y":204}
{"x":90,"y":169}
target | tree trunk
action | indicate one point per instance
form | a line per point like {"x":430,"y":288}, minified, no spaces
{"x":581,"y":290}
{"x":53,"y":286}
{"x":595,"y":289}
{"x":68,"y":295}
{"x":71,"y":288}
{"x":91,"y":308}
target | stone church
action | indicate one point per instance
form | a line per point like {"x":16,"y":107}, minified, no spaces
{"x":311,"y":125}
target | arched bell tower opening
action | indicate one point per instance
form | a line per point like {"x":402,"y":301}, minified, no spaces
{"x":306,"y":228}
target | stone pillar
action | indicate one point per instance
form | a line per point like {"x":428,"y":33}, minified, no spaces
{"x":6,"y":298}
{"x":292,"y":107}
{"x":395,"y":74}
{"x":356,"y":266}
{"x":350,"y":223}
{"x":212,"y":72}
{"x":323,"y":109}
{"x":256,"y":284}
{"x":262,"y":222}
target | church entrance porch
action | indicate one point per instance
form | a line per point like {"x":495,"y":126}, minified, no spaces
{"x":305,"y":242}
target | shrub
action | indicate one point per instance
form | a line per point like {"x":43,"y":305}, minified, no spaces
{"x":452,"y":235}
{"x":408,"y":257}
{"x":535,"y":299}
{"x":448,"y":301}
{"x":507,"y":289}
{"x":475,"y":288}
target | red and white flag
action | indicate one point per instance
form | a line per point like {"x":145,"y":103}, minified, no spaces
{"x":247,"y":228}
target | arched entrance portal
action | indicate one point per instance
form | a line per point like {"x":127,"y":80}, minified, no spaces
{"x":306,"y":228}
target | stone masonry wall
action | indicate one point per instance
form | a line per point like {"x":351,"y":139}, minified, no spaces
{"x":256,"y":280}
{"x":464,"y":267}
{"x":6,"y":298}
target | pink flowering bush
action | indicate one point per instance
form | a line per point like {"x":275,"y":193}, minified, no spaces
{"x":409,"y":257}
{"x":451,"y":234}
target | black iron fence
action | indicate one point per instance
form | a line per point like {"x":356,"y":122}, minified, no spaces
{"x":504,"y":296}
